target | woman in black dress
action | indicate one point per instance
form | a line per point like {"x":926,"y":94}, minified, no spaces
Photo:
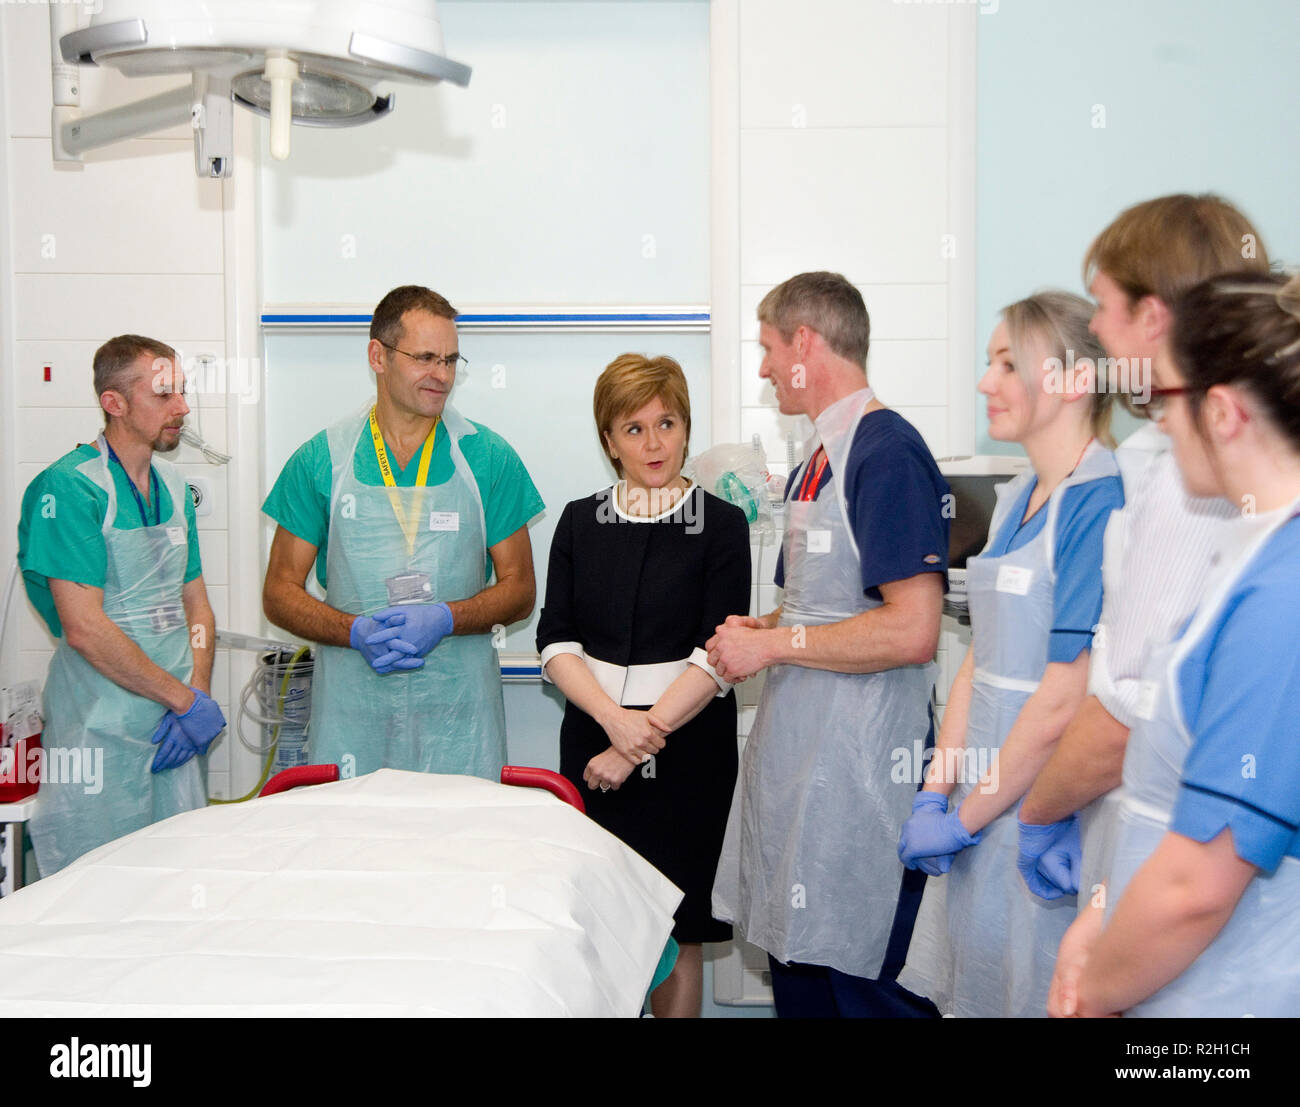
{"x":640,"y":575}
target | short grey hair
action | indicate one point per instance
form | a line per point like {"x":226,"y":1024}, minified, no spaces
{"x":823,"y":302}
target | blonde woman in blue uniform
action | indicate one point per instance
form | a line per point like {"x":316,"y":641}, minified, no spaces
{"x":1203,"y":885}
{"x":983,"y":945}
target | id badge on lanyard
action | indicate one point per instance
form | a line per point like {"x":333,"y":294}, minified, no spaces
{"x":412,"y":586}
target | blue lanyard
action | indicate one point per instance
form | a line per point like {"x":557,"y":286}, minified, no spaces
{"x":139,"y":500}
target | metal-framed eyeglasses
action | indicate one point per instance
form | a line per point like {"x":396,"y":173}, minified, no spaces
{"x":458,"y":363}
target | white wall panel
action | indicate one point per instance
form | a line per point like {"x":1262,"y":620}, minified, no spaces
{"x":33,"y":634}
{"x":46,"y":434}
{"x":134,"y":207}
{"x":832,"y":63}
{"x":909,"y":374}
{"x":93,"y":307}
{"x":215,"y":555}
{"x":932,"y":424}
{"x":868,"y":203}
{"x":219,"y":597}
{"x":754,"y":390}
{"x":33,"y":665}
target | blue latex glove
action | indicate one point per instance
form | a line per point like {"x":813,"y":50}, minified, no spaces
{"x":202,"y":722}
{"x":175,"y":749}
{"x":931,"y":866}
{"x":382,"y":645}
{"x":933,"y":835}
{"x":424,"y":625}
{"x":1049,"y":857}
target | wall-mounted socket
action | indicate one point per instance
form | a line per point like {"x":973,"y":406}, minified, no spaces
{"x":200,"y":494}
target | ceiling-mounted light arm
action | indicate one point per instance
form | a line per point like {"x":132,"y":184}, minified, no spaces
{"x":167,"y":109}
{"x":213,"y":118}
{"x":204,"y":105}
{"x":65,"y":80}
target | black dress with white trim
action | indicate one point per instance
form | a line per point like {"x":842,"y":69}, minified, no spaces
{"x":644,"y":595}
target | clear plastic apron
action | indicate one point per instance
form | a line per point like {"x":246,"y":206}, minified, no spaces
{"x":1252,"y":968}
{"x":984,"y":946}
{"x":448,"y":716}
{"x":809,"y":869}
{"x":94,"y":727}
{"x":1157,"y":510}
{"x":1097,"y":819}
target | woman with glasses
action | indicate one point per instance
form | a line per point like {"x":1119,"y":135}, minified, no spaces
{"x":1197,"y":917}
{"x":983,"y":944}
{"x":640,"y":576}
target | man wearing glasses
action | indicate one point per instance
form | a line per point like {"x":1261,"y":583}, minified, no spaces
{"x":400,"y":507}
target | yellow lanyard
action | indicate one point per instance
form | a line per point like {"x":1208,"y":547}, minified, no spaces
{"x":410,"y":524}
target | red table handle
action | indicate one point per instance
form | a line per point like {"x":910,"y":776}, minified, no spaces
{"x":526,"y":776}
{"x":299,"y":776}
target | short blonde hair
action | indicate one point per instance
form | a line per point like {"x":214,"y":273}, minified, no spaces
{"x":631,"y":381}
{"x":1055,"y":323}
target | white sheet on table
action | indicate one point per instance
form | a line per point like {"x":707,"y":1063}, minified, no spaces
{"x":394,"y":893}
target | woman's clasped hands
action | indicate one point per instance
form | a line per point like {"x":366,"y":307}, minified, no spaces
{"x":635,"y":737}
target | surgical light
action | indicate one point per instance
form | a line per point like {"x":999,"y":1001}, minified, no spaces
{"x":312,"y":62}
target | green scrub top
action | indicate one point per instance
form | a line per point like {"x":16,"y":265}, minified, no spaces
{"x":300,"y":499}
{"x":61,"y":529}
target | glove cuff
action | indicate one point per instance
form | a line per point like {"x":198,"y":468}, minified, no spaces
{"x":198,"y":697}
{"x":970,"y":839}
{"x":930,"y":801}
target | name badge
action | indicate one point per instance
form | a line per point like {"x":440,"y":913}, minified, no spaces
{"x":444,"y":520}
{"x":409,"y":588}
{"x":176,"y":535}
{"x":1015,"y":579}
{"x":1148,"y":690}
{"x":167,"y":618}
{"x":819,"y":541}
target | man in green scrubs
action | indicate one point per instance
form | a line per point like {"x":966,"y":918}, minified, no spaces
{"x":110,"y":557}
{"x":406,"y":510}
